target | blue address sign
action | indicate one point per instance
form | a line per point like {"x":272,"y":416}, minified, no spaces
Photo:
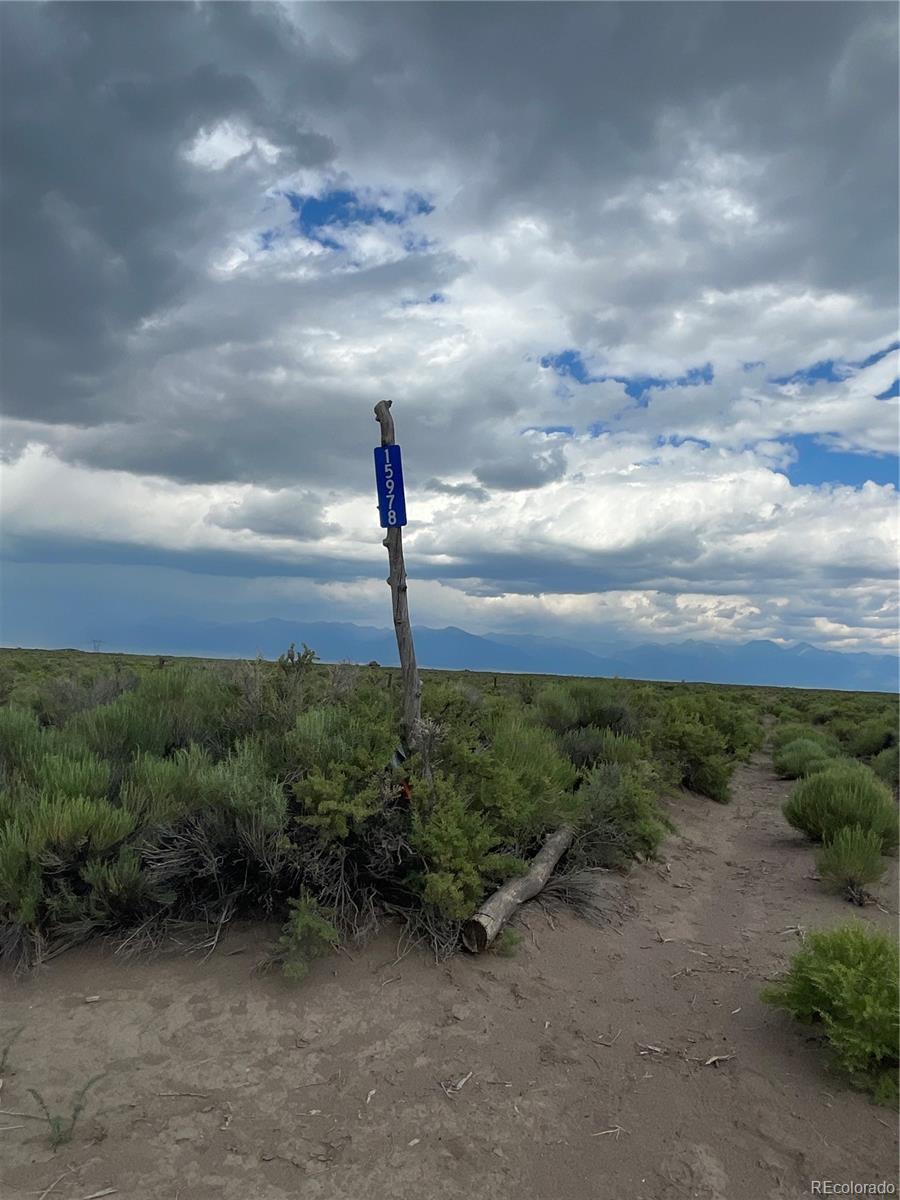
{"x":389,"y":482}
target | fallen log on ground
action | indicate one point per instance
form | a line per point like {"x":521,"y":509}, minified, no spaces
{"x":481,"y":929}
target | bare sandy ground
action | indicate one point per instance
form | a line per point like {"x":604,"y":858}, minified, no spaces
{"x":575,"y":1071}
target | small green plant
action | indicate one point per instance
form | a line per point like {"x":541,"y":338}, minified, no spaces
{"x":160,"y":790}
{"x":796,"y":731}
{"x":604,"y":705}
{"x":623,"y":820}
{"x":801,"y":757}
{"x":886,"y":766}
{"x":556,"y":708}
{"x":458,"y":846}
{"x":21,"y":738}
{"x":507,"y":943}
{"x":62,"y":1127}
{"x":306,"y":935}
{"x":66,"y":774}
{"x":845,"y":982}
{"x":589,"y":745}
{"x":528,"y":786}
{"x":873,"y":736}
{"x":851,"y":859}
{"x":838,"y":796}
{"x":688,"y":739}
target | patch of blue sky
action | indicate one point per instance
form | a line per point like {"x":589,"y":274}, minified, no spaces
{"x":570,"y":364}
{"x":878,"y":355}
{"x":674,"y":439}
{"x":831,"y":370}
{"x":828,"y":371}
{"x":817,"y":464}
{"x":891,"y":392}
{"x":568,"y":430}
{"x":321,"y":218}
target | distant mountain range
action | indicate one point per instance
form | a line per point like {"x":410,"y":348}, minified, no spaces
{"x":758,"y":662}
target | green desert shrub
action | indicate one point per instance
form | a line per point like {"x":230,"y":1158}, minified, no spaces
{"x":528,"y":781}
{"x":710,"y":775}
{"x":872,"y":736}
{"x":823,"y":803}
{"x":842,"y":729}
{"x":556,"y":708}
{"x":621,"y":748}
{"x":168,"y":710}
{"x":120,"y":730}
{"x":65,"y":827}
{"x":241,"y":785}
{"x":622,"y":818}
{"x":159,"y":790}
{"x":21,"y":738}
{"x":583,"y":746}
{"x":63,"y":696}
{"x":307,"y":934}
{"x":508,"y":943}
{"x":42,"y":850}
{"x":795,"y":731}
{"x":460,"y":849}
{"x":69,"y":775}
{"x":737,"y":721}
{"x":886,"y":766}
{"x":452,"y":704}
{"x":121,"y":891}
{"x":201,"y":791}
{"x":21,"y":890}
{"x":361,"y":736}
{"x":324,"y":735}
{"x":603,"y":705}
{"x":337,"y":755}
{"x":332,"y":801}
{"x":695,"y":749}
{"x":589,"y":745}
{"x":801,"y":757}
{"x":850,"y":860}
{"x":844,"y":982}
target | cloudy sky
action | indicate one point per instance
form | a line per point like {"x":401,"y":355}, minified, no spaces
{"x":627,"y":271}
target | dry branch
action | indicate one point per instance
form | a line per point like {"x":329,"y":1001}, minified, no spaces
{"x":481,"y":929}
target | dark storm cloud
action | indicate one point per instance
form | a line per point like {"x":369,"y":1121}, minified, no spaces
{"x":568,"y":100}
{"x":555,"y":105}
{"x":291,"y":513}
{"x":524,"y":470}
{"x":249,"y":564}
{"x":465,"y":490}
{"x":102,"y":221}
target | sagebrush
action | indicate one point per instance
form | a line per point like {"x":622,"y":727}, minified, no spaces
{"x":828,"y":801}
{"x":845,"y":983}
{"x":850,"y":860}
{"x":176,"y":795}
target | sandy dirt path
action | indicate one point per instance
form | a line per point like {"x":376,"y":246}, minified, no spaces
{"x":574,"y":1071}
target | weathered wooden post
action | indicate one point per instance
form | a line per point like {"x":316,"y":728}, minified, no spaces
{"x":392,"y":513}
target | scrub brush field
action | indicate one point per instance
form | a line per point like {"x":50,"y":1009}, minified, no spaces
{"x":230,"y":916}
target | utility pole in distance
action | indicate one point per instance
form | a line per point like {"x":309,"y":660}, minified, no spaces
{"x":392,"y":514}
